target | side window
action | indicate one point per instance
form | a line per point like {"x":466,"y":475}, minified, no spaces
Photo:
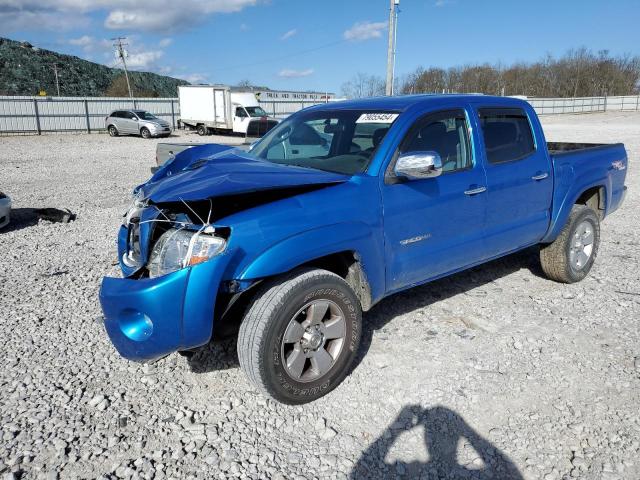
{"x":240,"y":112}
{"x":129,"y":115}
{"x":116,"y":114}
{"x":507,"y":134}
{"x":445,"y":133}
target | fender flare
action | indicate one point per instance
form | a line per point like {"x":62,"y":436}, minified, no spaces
{"x":313,"y":244}
{"x":559,"y":219}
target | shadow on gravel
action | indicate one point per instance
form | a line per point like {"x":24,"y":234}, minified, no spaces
{"x":215,"y":356}
{"x":28,"y":217}
{"x":436,"y":291}
{"x":444,"y":432}
{"x":21,"y":218}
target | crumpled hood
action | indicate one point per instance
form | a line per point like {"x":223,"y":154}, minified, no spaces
{"x":216,"y":170}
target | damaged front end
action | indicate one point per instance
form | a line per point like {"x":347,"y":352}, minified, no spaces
{"x":173,"y":268}
{"x":175,"y":247}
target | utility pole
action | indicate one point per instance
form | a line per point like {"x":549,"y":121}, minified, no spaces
{"x":391,"y":46}
{"x":122,"y":54}
{"x":55,"y":71}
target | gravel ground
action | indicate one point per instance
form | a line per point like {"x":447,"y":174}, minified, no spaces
{"x":492,"y":373}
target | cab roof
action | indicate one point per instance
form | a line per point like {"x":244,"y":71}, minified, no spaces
{"x":401,"y":103}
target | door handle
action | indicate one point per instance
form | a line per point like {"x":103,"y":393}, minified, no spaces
{"x":475,"y":191}
{"x":540,"y":176}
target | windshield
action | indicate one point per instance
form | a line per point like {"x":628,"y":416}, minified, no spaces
{"x":256,"y":112}
{"x":342,"y":141}
{"x":146,"y":115}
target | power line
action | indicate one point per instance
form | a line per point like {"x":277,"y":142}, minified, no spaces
{"x":122,"y":54}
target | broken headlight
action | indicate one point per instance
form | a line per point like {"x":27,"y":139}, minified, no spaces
{"x":176,"y":249}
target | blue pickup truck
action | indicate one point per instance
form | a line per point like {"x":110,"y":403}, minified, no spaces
{"x":338,"y":207}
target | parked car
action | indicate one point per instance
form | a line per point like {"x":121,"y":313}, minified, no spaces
{"x":136,"y":122}
{"x":336,"y":208}
{"x":5,"y":210}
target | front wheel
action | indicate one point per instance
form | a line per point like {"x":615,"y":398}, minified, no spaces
{"x":144,"y":131}
{"x":569,"y":258}
{"x":300,"y":336}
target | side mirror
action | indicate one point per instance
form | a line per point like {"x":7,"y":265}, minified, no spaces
{"x":418,"y":165}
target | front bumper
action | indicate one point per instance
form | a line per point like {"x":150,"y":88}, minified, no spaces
{"x":158,"y":130}
{"x":147,"y":319}
{"x":5,"y":211}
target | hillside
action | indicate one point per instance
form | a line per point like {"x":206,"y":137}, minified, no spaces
{"x":25,"y":70}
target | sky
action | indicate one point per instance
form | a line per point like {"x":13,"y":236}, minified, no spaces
{"x":317,"y":45}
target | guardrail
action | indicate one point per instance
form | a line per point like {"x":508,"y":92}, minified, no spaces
{"x":37,"y":115}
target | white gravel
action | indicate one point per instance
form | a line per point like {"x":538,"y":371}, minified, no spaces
{"x":495,"y":371}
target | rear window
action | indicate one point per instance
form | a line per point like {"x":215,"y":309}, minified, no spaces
{"x":507,"y":134}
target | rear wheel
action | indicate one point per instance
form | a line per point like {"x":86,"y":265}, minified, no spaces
{"x":300,"y":335}
{"x":202,"y":130}
{"x":113,"y":131}
{"x":144,"y":131}
{"x":570,"y":257}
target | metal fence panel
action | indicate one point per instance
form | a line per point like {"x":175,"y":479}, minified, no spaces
{"x":35,"y":115}
{"x":548,"y":106}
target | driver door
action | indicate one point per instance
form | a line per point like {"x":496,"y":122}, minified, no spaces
{"x":434,"y":226}
{"x":240,"y":120}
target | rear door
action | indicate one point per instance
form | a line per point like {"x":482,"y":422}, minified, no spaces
{"x":519,"y":181}
{"x":433,"y":226}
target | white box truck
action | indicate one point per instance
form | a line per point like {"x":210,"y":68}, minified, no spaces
{"x":215,"y":108}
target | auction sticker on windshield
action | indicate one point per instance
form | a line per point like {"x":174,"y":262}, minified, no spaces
{"x":377,"y":117}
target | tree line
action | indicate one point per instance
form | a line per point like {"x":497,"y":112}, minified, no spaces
{"x":578,"y":73}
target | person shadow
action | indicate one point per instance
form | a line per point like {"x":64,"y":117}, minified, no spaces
{"x":444,"y":431}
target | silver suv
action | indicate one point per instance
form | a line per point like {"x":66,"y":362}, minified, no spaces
{"x":136,"y":122}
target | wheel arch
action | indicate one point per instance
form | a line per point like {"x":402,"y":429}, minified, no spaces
{"x":346,"y":264}
{"x":593,"y":196}
{"x":348,"y":249}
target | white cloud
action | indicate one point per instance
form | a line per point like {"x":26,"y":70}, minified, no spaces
{"x":194,"y":78}
{"x":163,"y":16}
{"x":365,"y":31}
{"x":290,"y":73}
{"x":144,"y":60}
{"x":289,"y":34}
{"x":24,"y":20}
{"x":443,"y":3}
{"x":165,"y":42}
{"x":82,"y":41}
{"x":168,"y":15}
{"x":90,"y":44}
{"x":244,"y":27}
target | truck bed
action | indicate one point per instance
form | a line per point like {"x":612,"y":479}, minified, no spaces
{"x":556,"y":148}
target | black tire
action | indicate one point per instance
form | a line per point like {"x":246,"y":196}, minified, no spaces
{"x":145,"y":133}
{"x":113,"y":131}
{"x":555,"y":258}
{"x":202,"y":130}
{"x":261,"y":336}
